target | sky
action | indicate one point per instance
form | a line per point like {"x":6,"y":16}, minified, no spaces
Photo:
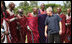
{"x":39,"y":3}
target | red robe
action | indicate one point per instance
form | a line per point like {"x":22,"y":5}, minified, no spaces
{"x":13,"y":29}
{"x":32,"y":22}
{"x":8,"y":37}
{"x":23,"y":29}
{"x":68,"y":31}
{"x":3,"y":17}
{"x":63,"y":26}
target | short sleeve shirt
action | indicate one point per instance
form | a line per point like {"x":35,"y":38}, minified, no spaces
{"x":53,"y":23}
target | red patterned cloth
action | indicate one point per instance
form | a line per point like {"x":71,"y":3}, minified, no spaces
{"x":13,"y":29}
{"x":3,"y":17}
{"x":23,"y":29}
{"x":7,"y":29}
{"x":8,"y":36}
{"x":63,"y":17}
{"x":68,"y":31}
{"x":32,"y":22}
{"x":63,"y":23}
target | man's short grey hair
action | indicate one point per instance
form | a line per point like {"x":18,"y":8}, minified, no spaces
{"x":49,"y":9}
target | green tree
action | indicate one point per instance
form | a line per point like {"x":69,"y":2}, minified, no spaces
{"x":52,"y":5}
{"x":33,"y":3}
{"x":21,"y":4}
{"x":67,"y":4}
{"x":26,"y":3}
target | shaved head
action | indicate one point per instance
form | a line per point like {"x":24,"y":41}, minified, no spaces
{"x":11,"y":5}
{"x":35,"y":9}
{"x":68,"y":10}
{"x":42,"y":6}
{"x":58,"y":10}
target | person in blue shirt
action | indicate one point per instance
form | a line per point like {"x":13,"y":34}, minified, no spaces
{"x":54,"y":26}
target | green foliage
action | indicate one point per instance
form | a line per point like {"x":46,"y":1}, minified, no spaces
{"x":21,"y":4}
{"x":67,"y":4}
{"x":15,"y":10}
{"x":33,"y":3}
{"x":25,"y":3}
{"x":25,"y":6}
{"x":53,"y":6}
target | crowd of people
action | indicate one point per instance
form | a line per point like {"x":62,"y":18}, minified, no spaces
{"x":40,"y":26}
